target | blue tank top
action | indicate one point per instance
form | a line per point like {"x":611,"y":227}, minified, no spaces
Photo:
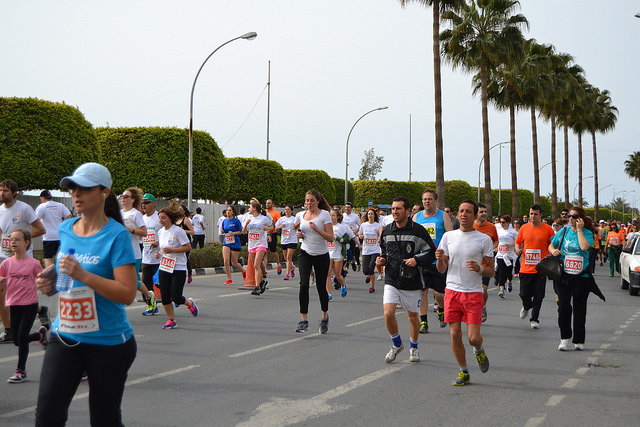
{"x":434,"y":225}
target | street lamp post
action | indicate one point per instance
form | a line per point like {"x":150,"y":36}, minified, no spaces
{"x":576,"y":186}
{"x":247,"y":36}
{"x":480,"y":165}
{"x":346,"y":159}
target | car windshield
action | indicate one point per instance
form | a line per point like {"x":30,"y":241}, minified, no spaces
{"x":637,"y":250}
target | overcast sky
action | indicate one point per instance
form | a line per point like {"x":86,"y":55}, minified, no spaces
{"x":132,"y":63}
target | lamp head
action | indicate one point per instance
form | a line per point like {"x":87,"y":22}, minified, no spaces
{"x":383,"y":108}
{"x":249,"y":36}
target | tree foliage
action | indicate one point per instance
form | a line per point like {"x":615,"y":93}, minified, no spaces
{"x":156,"y":160}
{"x":371,"y":165}
{"x":632,"y":166}
{"x":252,"y":177}
{"x":43,"y":141}
{"x":299,"y":181}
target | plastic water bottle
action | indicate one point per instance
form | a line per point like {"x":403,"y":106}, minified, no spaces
{"x":64,"y":282}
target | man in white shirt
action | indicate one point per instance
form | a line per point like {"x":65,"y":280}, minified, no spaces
{"x":150,"y":263}
{"x":198,"y":229}
{"x":353,"y":221}
{"x":219,"y":226}
{"x":51,"y":214}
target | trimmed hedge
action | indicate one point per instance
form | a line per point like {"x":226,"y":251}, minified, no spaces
{"x":43,"y":142}
{"x":252,"y":177}
{"x":299,"y":181}
{"x":338,"y":185}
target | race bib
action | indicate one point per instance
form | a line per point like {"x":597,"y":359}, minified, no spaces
{"x":229,"y":239}
{"x":573,"y":264}
{"x":6,"y":245}
{"x":168,"y":262}
{"x":254,"y":237}
{"x":503,"y":248}
{"x":532,"y":256}
{"x":370,"y":241}
{"x":614,"y":241}
{"x":285,"y":233}
{"x":77,"y":311}
{"x":331,"y":245}
{"x":431,"y":229}
{"x":149,"y":238}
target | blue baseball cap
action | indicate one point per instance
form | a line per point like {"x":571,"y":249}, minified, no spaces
{"x":88,"y":175}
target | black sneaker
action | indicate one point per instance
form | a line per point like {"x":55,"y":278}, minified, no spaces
{"x":324,"y":326}
{"x":263,"y":286}
{"x":43,"y":316}
{"x":256,"y":291}
{"x":303,"y":326}
{"x":353,"y":266}
{"x":43,"y":336}
{"x":5,"y":337}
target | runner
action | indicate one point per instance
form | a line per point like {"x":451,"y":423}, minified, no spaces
{"x":462,"y":254}
{"x":604,"y":232}
{"x":506,"y":254}
{"x":198,"y":229}
{"x":615,"y":243}
{"x":342,"y":234}
{"x":231,"y":229}
{"x":150,"y":263}
{"x":369,"y":233}
{"x":352,"y":219}
{"x":257,"y":224}
{"x":288,"y":241}
{"x":51,"y":214}
{"x":489,"y":229}
{"x":187,"y":226}
{"x":272,"y":237}
{"x":406,"y":246}
{"x":452,"y":215}
{"x":219,"y":226}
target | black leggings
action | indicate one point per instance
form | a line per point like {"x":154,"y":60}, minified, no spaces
{"x":64,"y":363}
{"x":369,"y":264}
{"x":22,"y":318}
{"x":356,"y":253}
{"x":320,"y":264}
{"x":576,"y":289}
{"x":148,"y":271}
{"x":172,"y":286}
{"x":504,"y":272}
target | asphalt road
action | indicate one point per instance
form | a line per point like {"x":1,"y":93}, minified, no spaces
{"x":241,"y":363}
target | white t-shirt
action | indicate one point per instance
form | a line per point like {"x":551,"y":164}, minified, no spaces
{"x":174,"y":237}
{"x":219,"y":225}
{"x":20,"y":215}
{"x":153,"y":226}
{"x":288,"y":233}
{"x":352,"y":220}
{"x":133,"y":218}
{"x":460,"y":247}
{"x":198,"y":224}
{"x":505,"y":237}
{"x":313,"y":243}
{"x":335,"y":247}
{"x":386,"y":220}
{"x":52,"y":214}
{"x":370,"y":239}
{"x":256,"y":236}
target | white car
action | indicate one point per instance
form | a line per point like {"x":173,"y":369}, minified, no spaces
{"x":630,"y":265}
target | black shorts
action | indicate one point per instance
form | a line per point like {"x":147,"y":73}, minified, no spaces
{"x":434,"y":279}
{"x":293,"y":246}
{"x":50,"y":248}
{"x":233,"y":249}
{"x":273,"y":244}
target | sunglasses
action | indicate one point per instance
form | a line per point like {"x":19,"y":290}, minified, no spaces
{"x":125,"y":196}
{"x":574,"y":216}
{"x":564,"y":214}
{"x":503,"y":222}
{"x":146,"y":202}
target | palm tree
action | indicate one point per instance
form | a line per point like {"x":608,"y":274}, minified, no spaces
{"x":438,"y":7}
{"x":577,"y":121}
{"x":483,"y":34}
{"x":632,"y":166}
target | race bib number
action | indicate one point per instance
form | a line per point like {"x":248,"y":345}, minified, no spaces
{"x":532,"y":256}
{"x":77,"y":311}
{"x":370,"y":241}
{"x":6,"y":245}
{"x":431,"y":229}
{"x":149,"y":238}
{"x":168,"y":263}
{"x":286,"y":233}
{"x":229,"y":239}
{"x":331,"y":245}
{"x":503,"y":248}
{"x":573,"y":264}
{"x":614,"y":241}
{"x":254,"y":237}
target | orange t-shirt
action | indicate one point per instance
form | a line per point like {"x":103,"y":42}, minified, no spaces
{"x":490,"y":230}
{"x":535,"y":245}
{"x":275,"y":216}
{"x":615,"y":238}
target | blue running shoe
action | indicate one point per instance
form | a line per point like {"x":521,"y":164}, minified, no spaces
{"x":171,"y":324}
{"x":193,"y":308}
{"x":150,"y":312}
{"x":343,"y":291}
{"x":330,"y":297}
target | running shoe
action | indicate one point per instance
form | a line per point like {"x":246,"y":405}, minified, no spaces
{"x":501,"y":294}
{"x":279,"y":270}
{"x":463,"y":378}
{"x":484,"y":314}
{"x":228,"y":282}
{"x":241,"y":260}
{"x":152,"y":303}
{"x":358,"y":267}
{"x":343,"y":291}
{"x":18,"y":377}
{"x":151,"y":312}
{"x":171,"y":324}
{"x":371,"y":290}
{"x":579,"y":346}
{"x":256,"y":291}
{"x":523,"y":313}
{"x":244,"y":274}
{"x":293,"y":274}
{"x":424,"y":327}
{"x":414,"y":355}
{"x":353,"y":266}
{"x":43,"y":340}
{"x":336,"y":284}
{"x":435,"y":308}
{"x":286,"y":277}
{"x":483,"y":360}
{"x":330,"y":297}
{"x":303,"y":326}
{"x":6,"y":337}
{"x":43,"y":316}
{"x":324,"y":326}
{"x":509,"y":287}
{"x":535,"y":324}
{"x":190,"y":278}
{"x":263,"y":286}
{"x":367,"y":279}
{"x":393,"y":352}
{"x":443,"y":324}
{"x":193,"y":308}
{"x":565,"y":345}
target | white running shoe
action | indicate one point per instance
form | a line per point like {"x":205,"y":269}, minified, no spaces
{"x":523,"y":313}
{"x":565,"y":345}
{"x":414,"y":356}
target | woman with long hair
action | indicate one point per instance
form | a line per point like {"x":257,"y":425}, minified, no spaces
{"x":615,"y":243}
{"x":231,"y":230}
{"x":506,"y":254}
{"x":257,"y":224}
{"x":369,"y":233}
{"x":336,"y":252}
{"x":185,"y":224}
{"x":104,"y":279}
{"x":315,"y":230}
{"x":288,"y":239}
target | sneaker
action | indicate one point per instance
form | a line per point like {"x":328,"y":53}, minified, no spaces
{"x":18,"y":377}
{"x":483,"y":361}
{"x":579,"y":346}
{"x":193,"y":308}
{"x":443,"y":324}
{"x":229,"y":282}
{"x":414,"y":356}
{"x":424,"y":327}
{"x":600,"y":264}
{"x":286,"y":277}
{"x":256,"y":291}
{"x":461,"y":379}
{"x":371,"y":290}
{"x":509,"y":287}
{"x":393,"y":352}
{"x":353,"y":266}
{"x":324,"y":326}
{"x":151,"y":312}
{"x":565,"y":345}
{"x":343,"y":291}
{"x":358,"y":267}
{"x":523,"y":313}
{"x":43,"y":316}
{"x":190,"y":278}
{"x":303,"y":326}
{"x":279,"y":270}
{"x":6,"y":337}
{"x":152,"y":304}
{"x":367,"y":279}
{"x":484,"y":314}
{"x":293,"y":272}
{"x":501,"y":294}
{"x":244,"y":274}
{"x":263,"y":286}
{"x":241,"y":260}
{"x":535,"y":324}
{"x":336,"y":284}
{"x":171,"y":324}
{"x":435,"y":308}
{"x":330,"y":297}
{"x":43,"y":336}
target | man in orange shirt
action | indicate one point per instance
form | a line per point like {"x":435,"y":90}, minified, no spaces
{"x":533,"y":243}
{"x":272,"y":238}
{"x":482,"y":225}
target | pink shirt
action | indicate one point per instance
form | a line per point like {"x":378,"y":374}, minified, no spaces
{"x":21,"y":280}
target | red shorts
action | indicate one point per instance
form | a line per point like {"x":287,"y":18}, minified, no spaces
{"x":463,"y":306}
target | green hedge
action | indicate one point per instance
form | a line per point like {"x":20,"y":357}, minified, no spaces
{"x":251,"y":177}
{"x":299,"y":181}
{"x":338,"y":185}
{"x":383,"y":192}
{"x":43,"y":141}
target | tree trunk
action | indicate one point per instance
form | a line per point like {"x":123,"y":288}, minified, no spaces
{"x":596,"y":207}
{"x":485,"y":140}
{"x":580,"y":169}
{"x":536,"y":167}
{"x":514,"y":175}
{"x":554,"y":176}
{"x":567,"y":196}
{"x":438,"y":105}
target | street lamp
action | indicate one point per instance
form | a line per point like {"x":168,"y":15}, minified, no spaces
{"x":576,"y":186}
{"x":247,"y":36}
{"x":480,"y":165}
{"x":346,"y":158}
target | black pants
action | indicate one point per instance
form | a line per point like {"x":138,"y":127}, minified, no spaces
{"x":172,"y":286}
{"x":198,"y":239}
{"x":356,"y":253}
{"x":320,"y":264}
{"x":576,"y":288}
{"x":369,"y":264}
{"x":504,"y":272}
{"x":532,"y":288}
{"x":22,"y":318}
{"x":106,"y":366}
{"x":148,"y":271}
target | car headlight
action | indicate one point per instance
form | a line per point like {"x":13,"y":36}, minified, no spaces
{"x":637,"y":269}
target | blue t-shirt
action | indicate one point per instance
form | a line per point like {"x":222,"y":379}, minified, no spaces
{"x":232,"y":225}
{"x":434,"y":226}
{"x":99,"y":254}
{"x":574,"y":259}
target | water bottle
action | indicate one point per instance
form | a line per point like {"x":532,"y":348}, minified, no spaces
{"x":64,"y":282}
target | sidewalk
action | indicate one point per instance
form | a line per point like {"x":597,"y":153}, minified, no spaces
{"x":220,"y":270}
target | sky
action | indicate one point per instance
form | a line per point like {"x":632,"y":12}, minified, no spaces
{"x":133,"y":63}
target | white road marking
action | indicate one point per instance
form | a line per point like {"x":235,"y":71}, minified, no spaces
{"x":361,"y":322}
{"x":554,"y":400}
{"x":582,"y":371}
{"x":605,"y":346}
{"x":597,"y":353}
{"x":536,"y":421}
{"x":618,"y":332}
{"x":267,"y":347}
{"x":571,"y":383}
{"x":623,"y":326}
{"x":244,"y":293}
{"x":592,"y":360}
{"x":14,"y":358}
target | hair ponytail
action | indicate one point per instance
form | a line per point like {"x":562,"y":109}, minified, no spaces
{"x":112,"y":207}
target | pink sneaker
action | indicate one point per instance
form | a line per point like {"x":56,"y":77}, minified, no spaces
{"x":293,"y":272}
{"x":190,"y":279}
{"x":286,"y":277}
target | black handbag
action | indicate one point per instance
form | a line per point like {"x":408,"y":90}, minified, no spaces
{"x":551,"y":265}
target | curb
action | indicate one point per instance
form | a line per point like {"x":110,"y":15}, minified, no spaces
{"x":220,"y":270}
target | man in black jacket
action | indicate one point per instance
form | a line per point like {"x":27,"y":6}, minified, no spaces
{"x":405,"y":245}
